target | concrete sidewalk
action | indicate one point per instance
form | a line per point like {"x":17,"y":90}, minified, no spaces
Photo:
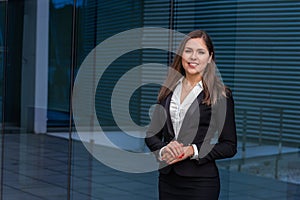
{"x":36,"y":167}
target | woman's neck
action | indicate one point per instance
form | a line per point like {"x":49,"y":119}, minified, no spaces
{"x":192,"y":80}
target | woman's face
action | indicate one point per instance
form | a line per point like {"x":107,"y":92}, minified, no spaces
{"x":195,"y":57}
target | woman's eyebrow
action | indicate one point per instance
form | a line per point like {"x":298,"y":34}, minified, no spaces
{"x":202,"y":49}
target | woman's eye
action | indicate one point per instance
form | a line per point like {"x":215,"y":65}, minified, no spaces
{"x":201,"y":52}
{"x":187,"y":51}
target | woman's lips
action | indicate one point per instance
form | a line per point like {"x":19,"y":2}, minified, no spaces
{"x":193,"y":65}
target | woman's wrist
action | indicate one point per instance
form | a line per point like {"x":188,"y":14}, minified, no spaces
{"x":190,"y":151}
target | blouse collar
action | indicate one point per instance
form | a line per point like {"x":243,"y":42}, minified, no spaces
{"x":200,"y":84}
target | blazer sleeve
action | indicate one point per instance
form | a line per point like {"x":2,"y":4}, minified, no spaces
{"x":154,"y":133}
{"x":226,"y":146}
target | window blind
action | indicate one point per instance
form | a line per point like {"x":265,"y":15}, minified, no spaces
{"x":257,"y":53}
{"x":156,"y":14}
{"x":104,"y":19}
{"x":267,"y":69}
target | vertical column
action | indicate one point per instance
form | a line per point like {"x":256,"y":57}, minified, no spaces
{"x":41,"y":86}
{"x":34,"y":87}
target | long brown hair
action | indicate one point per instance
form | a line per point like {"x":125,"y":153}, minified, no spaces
{"x":213,"y":87}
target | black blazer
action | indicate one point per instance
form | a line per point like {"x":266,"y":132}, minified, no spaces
{"x":211,"y":128}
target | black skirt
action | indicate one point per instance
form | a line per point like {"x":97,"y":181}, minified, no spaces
{"x":175,"y":187}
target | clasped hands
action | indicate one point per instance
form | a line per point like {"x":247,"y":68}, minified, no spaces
{"x":175,"y":152}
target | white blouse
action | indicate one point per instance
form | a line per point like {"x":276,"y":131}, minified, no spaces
{"x":178,"y":109}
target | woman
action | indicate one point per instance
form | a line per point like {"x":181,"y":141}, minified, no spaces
{"x":196,"y":126}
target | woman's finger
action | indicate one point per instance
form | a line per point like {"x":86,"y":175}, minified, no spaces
{"x":176,"y":148}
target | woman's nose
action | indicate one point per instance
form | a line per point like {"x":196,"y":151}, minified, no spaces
{"x":193,"y":56}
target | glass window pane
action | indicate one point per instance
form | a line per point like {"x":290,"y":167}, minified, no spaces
{"x":60,"y":40}
{"x":256,"y":45}
{"x":35,"y":164}
{"x":257,"y":54}
{"x":258,"y":64}
{"x":2,"y":54}
{"x":2,"y":49}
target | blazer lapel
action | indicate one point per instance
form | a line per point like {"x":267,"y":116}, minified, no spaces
{"x":190,"y":116}
{"x":169,"y":121}
{"x":195,"y":106}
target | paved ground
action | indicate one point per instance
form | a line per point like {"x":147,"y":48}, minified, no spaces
{"x":35,"y":167}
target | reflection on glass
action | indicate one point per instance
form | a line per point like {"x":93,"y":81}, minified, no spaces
{"x":34,"y":165}
{"x":257,"y":50}
{"x":60,"y":38}
{"x":2,"y":41}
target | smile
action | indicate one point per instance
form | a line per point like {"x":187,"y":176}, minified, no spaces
{"x":193,"y":64}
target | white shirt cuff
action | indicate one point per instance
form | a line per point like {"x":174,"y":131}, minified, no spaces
{"x":196,"y":153}
{"x":160,"y":152}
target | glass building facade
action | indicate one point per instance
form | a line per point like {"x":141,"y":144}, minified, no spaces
{"x":45,"y":46}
